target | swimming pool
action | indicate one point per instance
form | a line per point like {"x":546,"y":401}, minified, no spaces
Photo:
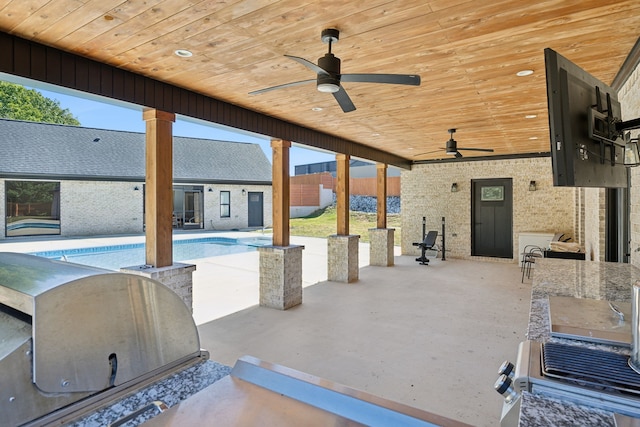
{"x":116,"y":256}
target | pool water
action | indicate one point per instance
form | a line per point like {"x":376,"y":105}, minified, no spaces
{"x":117,"y":256}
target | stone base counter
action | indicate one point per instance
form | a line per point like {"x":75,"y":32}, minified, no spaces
{"x":579,"y":279}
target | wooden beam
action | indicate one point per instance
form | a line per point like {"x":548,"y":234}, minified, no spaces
{"x":26,"y":58}
{"x":159,"y":187}
{"x":280,"y":190}
{"x":381,"y":193}
{"x":342,"y":193}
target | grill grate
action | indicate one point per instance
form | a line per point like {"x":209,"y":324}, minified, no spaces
{"x":597,"y":368}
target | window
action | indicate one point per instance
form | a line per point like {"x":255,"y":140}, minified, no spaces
{"x":33,"y":208}
{"x":225,"y":204}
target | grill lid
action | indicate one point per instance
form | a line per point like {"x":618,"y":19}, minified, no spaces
{"x":91,"y":328}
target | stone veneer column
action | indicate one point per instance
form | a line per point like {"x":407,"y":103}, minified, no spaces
{"x":280,"y":276}
{"x":342,"y":260}
{"x":177,"y":277}
{"x":381,"y":246}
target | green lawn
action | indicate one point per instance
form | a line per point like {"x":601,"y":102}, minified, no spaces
{"x":323,"y":223}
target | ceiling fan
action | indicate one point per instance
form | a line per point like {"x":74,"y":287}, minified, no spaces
{"x":452,"y":147}
{"x":329,"y":77}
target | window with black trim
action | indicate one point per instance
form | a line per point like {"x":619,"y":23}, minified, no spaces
{"x":32,"y":208}
{"x":225,"y":204}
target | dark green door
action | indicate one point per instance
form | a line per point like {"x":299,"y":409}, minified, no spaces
{"x":492,"y":218}
{"x":256,"y":217}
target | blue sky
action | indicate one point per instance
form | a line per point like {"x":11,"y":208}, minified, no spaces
{"x":102,"y":115}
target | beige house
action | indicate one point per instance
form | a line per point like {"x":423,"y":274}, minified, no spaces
{"x":94,"y":182}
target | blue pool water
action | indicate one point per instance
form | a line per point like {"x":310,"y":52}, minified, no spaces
{"x":117,"y":256}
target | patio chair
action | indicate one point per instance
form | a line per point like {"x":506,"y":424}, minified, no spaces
{"x":529,"y":256}
{"x":429,"y":242}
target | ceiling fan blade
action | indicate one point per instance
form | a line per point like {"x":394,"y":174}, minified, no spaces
{"x":343,"y":99}
{"x":428,"y":152}
{"x":458,"y":155}
{"x":487,"y":150}
{"x":256,"y":92}
{"x":396,"y":79}
{"x":310,"y":65}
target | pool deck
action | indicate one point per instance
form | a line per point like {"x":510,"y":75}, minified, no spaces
{"x":222,"y":285}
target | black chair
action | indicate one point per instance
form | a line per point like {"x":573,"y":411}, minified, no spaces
{"x":429,"y":242}
{"x":529,"y":255}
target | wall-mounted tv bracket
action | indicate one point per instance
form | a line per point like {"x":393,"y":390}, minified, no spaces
{"x":607,"y":129}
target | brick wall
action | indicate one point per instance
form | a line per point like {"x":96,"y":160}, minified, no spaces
{"x":239,"y":206}
{"x":99,"y":207}
{"x":629,"y":97}
{"x":426,"y":191}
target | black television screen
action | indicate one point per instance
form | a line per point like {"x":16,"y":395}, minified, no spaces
{"x":582,"y":154}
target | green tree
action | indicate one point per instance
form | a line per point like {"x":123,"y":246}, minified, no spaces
{"x":20,"y":103}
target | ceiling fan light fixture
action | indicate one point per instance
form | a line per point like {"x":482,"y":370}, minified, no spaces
{"x":328,"y":87}
{"x":451,"y":147}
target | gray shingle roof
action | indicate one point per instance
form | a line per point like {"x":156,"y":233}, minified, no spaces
{"x":58,"y":151}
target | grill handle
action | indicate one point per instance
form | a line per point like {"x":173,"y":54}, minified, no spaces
{"x":158,"y":405}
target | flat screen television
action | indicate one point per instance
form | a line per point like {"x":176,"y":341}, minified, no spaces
{"x":586,"y":148}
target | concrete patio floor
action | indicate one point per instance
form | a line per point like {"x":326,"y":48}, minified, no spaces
{"x":431,"y":337}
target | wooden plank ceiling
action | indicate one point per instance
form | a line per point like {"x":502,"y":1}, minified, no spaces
{"x":467,"y":53}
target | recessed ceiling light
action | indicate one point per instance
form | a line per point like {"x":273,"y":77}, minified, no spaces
{"x":523,"y":73}
{"x":530,"y":116}
{"x":316,"y":109}
{"x":375,"y":134}
{"x":533,"y":137}
{"x":183,"y":53}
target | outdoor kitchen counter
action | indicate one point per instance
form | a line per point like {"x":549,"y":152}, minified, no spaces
{"x":580,"y":279}
{"x":170,"y":391}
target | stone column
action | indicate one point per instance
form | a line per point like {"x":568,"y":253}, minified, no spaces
{"x":381,"y":238}
{"x":177,"y":277}
{"x":381,"y":247}
{"x":342,"y":260}
{"x":342,"y":248}
{"x":280,"y":276}
{"x":280,"y":264}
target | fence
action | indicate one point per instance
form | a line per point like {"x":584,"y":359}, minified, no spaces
{"x":304,"y":189}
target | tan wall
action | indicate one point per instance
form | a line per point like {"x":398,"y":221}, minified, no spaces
{"x":629,"y":97}
{"x":304,"y":195}
{"x":357,"y":186}
{"x":324,"y":178}
{"x":426,"y":191}
{"x":368,"y":186}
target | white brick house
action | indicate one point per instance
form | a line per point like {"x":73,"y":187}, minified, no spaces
{"x":95,"y":181}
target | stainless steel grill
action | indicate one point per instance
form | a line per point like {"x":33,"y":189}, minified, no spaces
{"x":577,"y":383}
{"x":588,"y":367}
{"x":72,"y":337}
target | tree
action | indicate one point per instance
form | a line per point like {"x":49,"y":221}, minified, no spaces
{"x":20,"y":103}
